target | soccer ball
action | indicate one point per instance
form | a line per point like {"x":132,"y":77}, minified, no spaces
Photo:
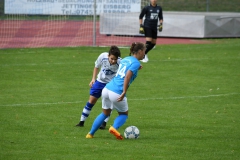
{"x":131,"y":132}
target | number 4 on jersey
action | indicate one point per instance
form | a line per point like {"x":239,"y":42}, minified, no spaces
{"x":121,"y":71}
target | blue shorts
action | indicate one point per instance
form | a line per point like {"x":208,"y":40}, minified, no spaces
{"x":96,"y":90}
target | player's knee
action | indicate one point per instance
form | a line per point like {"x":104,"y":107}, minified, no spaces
{"x":93,"y":99}
{"x":107,"y":112}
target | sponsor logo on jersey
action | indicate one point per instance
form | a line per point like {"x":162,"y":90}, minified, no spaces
{"x":154,"y":16}
{"x":108,"y":72}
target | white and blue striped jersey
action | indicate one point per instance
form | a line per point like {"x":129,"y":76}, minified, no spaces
{"x":107,"y":71}
{"x":129,"y":63}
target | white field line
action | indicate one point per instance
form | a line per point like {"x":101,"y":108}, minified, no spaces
{"x":165,"y":60}
{"x":37,"y":104}
{"x":184,"y":97}
{"x":35,"y":64}
{"x":139,"y":99}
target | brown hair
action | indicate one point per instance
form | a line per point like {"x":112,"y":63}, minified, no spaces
{"x":136,"y":46}
{"x":114,"y":50}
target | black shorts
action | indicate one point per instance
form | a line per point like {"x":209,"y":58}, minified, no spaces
{"x":149,"y":32}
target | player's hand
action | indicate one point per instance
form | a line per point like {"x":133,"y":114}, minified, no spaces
{"x":140,"y":67}
{"x":120,"y":98}
{"x":160,"y":27}
{"x":141,"y":30}
{"x":91,"y":83}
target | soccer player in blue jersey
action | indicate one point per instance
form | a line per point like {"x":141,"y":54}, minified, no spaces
{"x":109,"y":63}
{"x":114,"y":94}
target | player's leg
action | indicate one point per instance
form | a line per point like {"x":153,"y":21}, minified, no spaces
{"x":86,"y":110}
{"x":148,"y":37}
{"x":148,"y":44}
{"x":118,"y":122}
{"x":98,"y":121}
{"x":148,"y":48}
{"x":107,"y":108}
{"x":151,"y":36}
{"x":122,"y":108}
{"x":120,"y":119}
{"x":153,"y":43}
{"x":154,"y":38}
{"x":104,"y":124}
{"x":95,"y":93}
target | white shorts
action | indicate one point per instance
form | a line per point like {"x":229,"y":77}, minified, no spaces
{"x":109,"y":101}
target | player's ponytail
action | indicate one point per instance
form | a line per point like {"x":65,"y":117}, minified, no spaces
{"x":114,"y":50}
{"x":136,"y":46}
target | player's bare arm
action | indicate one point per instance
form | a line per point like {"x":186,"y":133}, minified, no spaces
{"x":125,"y":85}
{"x":95,"y":72}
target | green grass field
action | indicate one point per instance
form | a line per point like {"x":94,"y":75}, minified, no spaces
{"x":185,"y":102}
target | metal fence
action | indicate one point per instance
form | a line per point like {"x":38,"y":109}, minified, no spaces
{"x":18,"y":30}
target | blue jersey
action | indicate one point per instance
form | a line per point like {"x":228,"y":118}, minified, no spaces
{"x":129,"y":63}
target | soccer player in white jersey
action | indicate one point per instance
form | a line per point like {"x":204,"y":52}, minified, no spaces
{"x":109,"y":63}
{"x":114,"y":93}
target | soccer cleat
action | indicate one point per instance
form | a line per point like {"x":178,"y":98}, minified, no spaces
{"x":80,"y":124}
{"x":115,"y":133}
{"x":103,"y":126}
{"x":89,"y":135}
{"x":145,"y":59}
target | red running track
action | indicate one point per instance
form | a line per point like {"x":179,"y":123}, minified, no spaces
{"x":44,"y":33}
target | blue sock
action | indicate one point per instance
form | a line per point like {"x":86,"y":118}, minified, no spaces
{"x":97,"y":123}
{"x":119,"y":121}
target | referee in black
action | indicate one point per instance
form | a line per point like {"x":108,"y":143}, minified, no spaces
{"x":152,"y":13}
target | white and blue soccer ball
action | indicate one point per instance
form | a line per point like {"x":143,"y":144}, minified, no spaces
{"x":131,"y":132}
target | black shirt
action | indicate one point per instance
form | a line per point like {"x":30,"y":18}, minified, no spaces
{"x":152,"y":14}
